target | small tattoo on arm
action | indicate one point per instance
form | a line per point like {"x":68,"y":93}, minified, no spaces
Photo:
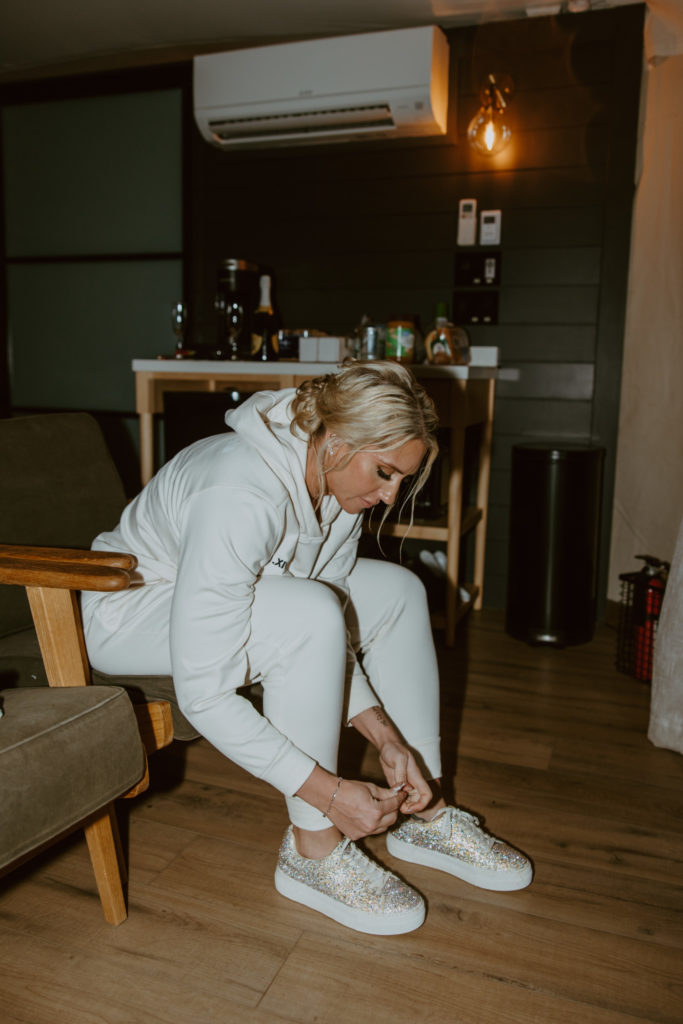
{"x":380,"y":716}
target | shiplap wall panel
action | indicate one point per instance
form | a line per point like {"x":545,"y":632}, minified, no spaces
{"x":528,"y":226}
{"x":567,"y":381}
{"x":544,"y":417}
{"x":551,"y":304}
{"x":547,"y":265}
{"x":541,"y":342}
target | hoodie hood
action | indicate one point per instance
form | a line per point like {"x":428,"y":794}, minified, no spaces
{"x":264,"y":422}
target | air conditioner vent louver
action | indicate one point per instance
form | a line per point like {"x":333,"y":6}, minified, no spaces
{"x":372,"y":117}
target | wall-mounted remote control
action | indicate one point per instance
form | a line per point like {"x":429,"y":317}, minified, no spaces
{"x":467,"y":222}
{"x":489,"y":232}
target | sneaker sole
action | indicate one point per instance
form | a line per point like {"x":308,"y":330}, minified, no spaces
{"x":503,"y":882}
{"x":394,"y":924}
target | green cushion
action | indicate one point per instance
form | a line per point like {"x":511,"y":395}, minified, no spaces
{"x":65,"y":752}
{"x":22,"y":665}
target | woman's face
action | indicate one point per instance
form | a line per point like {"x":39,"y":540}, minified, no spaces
{"x":370,"y":477}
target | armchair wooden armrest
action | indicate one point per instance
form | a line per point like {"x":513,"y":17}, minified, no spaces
{"x":115,"y":559}
{"x":65,"y":568}
{"x":52,"y":578}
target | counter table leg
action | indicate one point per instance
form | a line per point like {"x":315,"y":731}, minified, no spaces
{"x":483,"y":498}
{"x":146,"y":446}
{"x":455,"y":479}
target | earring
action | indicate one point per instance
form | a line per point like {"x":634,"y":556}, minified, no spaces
{"x":331,"y":444}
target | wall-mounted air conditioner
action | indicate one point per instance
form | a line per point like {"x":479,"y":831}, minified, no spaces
{"x":376,"y":85}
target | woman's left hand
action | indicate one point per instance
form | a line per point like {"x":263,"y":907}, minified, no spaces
{"x":400,"y":769}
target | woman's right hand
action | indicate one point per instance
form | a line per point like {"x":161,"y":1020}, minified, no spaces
{"x":364,"y":809}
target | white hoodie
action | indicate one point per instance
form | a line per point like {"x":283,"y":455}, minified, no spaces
{"x":217,"y":517}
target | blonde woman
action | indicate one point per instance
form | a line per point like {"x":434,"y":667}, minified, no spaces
{"x":247,"y":545}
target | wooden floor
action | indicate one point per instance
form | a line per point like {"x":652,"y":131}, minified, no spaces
{"x":548,"y":745}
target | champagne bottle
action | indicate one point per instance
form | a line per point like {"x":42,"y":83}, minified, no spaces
{"x":264,"y":343}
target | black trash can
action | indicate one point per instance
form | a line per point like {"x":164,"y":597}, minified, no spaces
{"x":554,"y":533}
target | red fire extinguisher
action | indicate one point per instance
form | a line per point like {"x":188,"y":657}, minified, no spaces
{"x":642,"y":595}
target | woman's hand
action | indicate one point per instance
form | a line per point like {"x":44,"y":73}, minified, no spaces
{"x":357,"y":809}
{"x":398,"y":762}
{"x":400,"y":768}
{"x":363,"y":809}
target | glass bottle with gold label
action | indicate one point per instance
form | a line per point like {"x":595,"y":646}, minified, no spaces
{"x":264,"y":325}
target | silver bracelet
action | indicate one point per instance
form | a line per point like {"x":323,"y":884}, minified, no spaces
{"x":326,"y":813}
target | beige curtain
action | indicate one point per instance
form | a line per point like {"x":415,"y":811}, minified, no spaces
{"x":648,"y":504}
{"x":648,"y":499}
{"x":666,"y":702}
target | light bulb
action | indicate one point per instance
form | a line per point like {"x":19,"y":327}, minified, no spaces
{"x":489,"y":132}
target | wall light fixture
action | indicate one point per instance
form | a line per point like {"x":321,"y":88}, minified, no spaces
{"x":489,"y":131}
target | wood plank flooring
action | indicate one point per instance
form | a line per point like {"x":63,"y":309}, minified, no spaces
{"x":549,"y":746}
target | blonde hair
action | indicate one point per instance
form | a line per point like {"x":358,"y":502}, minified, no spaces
{"x":374,"y":406}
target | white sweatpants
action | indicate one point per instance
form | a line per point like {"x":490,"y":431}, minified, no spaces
{"x":297,"y":651}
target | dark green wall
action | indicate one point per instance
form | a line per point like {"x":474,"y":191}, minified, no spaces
{"x":92,"y":190}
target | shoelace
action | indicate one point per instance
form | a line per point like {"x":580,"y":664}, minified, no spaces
{"x":375,"y":875}
{"x":456,"y":814}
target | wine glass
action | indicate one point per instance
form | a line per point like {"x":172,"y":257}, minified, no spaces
{"x":230,"y":326}
{"x":179,"y":326}
{"x":234,"y":316}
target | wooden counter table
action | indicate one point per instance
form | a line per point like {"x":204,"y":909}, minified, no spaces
{"x":463,"y":395}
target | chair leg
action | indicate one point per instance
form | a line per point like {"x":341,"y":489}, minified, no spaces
{"x":106,"y":856}
{"x":57,"y":620}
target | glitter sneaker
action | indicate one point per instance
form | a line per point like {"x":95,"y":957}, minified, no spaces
{"x":454,"y":841}
{"x":350,"y":888}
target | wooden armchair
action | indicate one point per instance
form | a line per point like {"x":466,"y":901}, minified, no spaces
{"x":60,"y":488}
{"x":52,"y":578}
